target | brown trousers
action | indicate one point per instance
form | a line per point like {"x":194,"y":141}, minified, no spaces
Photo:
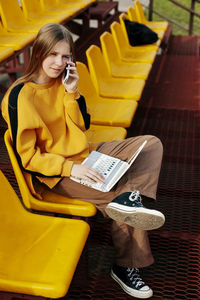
{"x":132,"y":245}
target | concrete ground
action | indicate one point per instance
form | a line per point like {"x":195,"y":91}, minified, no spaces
{"x":124,"y":4}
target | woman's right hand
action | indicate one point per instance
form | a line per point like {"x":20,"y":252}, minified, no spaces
{"x":71,"y":85}
{"x":86,"y":173}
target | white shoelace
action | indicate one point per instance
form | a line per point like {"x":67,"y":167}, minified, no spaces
{"x":133,"y":274}
{"x":135,"y":195}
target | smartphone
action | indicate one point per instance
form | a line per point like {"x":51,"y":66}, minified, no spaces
{"x":66,"y":72}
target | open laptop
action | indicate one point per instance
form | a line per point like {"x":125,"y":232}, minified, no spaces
{"x":110,"y":167}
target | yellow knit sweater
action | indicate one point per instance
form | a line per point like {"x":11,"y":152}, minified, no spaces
{"x":50,"y":129}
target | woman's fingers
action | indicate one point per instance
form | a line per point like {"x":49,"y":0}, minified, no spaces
{"x":72,"y":82}
{"x":87,"y":173}
{"x":93,"y":176}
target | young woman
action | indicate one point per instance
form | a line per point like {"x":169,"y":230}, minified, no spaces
{"x":47,"y":119}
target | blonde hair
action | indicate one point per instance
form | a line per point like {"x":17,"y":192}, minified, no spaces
{"x":48,"y":36}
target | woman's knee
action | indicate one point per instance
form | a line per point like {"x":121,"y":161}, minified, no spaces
{"x":155,"y":142}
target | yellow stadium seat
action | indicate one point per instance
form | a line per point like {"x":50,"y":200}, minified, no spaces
{"x":33,"y":12}
{"x":51,"y":202}
{"x":98,"y":133}
{"x":39,"y":254}
{"x":126,"y":51}
{"x":5,"y":52}
{"x":52,"y":6}
{"x":68,"y":4}
{"x":160,"y":32}
{"x":153,"y":46}
{"x":61,"y":15}
{"x":132,"y":14}
{"x":13,"y":18}
{"x":104,"y":111}
{"x":15,"y":40}
{"x":78,"y":4}
{"x":83,"y":3}
{"x":108,"y":86}
{"x":142,"y":19}
{"x":116,"y":66}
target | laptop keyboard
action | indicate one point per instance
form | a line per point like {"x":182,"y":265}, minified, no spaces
{"x":104,"y":166}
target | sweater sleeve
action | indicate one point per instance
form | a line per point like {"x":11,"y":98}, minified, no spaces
{"x":76,"y":109}
{"x":24,"y":134}
{"x":39,"y":163}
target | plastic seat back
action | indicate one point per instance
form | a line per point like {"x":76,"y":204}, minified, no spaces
{"x":48,"y":3}
{"x":139,"y":12}
{"x":123,"y":17}
{"x":104,"y":111}
{"x":70,"y":4}
{"x":86,"y":86}
{"x":82,"y":3}
{"x":52,"y":203}
{"x":9,"y":202}
{"x":131,"y":14}
{"x":97,"y":66}
{"x":39,"y":254}
{"x":3,"y":29}
{"x":121,"y":42}
{"x":31,"y":7}
{"x":46,"y":6}
{"x":51,"y":4}
{"x":5,"y":52}
{"x":109,"y":50}
{"x":11,"y":14}
{"x":25,"y":193}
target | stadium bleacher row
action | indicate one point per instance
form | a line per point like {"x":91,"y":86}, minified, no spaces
{"x":115,"y":72}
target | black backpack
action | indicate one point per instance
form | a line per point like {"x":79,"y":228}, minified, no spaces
{"x":139,"y":34}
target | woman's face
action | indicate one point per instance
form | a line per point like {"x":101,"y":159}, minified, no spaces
{"x":54,"y":64}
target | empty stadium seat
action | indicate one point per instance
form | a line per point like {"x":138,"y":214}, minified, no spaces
{"x":17,"y":41}
{"x":142,"y":19}
{"x":104,"y":111}
{"x":33,"y":12}
{"x":83,"y":3}
{"x":108,"y":86}
{"x":39,"y":254}
{"x":126,"y":51}
{"x":53,"y":6}
{"x":116,"y":66}
{"x":62,"y":15}
{"x":14,"y":20}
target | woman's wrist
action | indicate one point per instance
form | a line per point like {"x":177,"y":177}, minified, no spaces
{"x":71,"y":91}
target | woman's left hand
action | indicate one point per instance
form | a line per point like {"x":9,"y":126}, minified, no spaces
{"x":71,"y":85}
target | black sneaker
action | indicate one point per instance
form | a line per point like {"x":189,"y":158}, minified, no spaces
{"x":130,"y":281}
{"x":127,"y":208}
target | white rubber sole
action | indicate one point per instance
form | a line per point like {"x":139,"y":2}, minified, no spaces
{"x":140,"y":218}
{"x":135,"y":293}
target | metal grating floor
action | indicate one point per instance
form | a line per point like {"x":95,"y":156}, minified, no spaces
{"x":176,"y":246}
